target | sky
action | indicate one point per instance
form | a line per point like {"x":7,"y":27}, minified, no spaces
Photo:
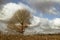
{"x":46,"y":13}
{"x":51,"y":12}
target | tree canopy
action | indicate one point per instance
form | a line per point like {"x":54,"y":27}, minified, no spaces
{"x":21,"y":16}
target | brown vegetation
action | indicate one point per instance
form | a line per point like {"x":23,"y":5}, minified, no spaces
{"x":30,"y":37}
{"x":22,"y":17}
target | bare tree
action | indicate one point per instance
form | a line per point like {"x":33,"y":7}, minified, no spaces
{"x":21,"y":16}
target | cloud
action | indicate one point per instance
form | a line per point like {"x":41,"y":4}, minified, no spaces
{"x":7,"y":12}
{"x":46,"y":6}
{"x":11,"y":8}
{"x":56,"y":23}
{"x":43,"y":26}
{"x":37,"y":1}
{"x":38,"y":25}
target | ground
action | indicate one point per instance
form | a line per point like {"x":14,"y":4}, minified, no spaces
{"x":31,"y":37}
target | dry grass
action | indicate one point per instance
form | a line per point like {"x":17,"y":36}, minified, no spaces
{"x":31,"y":37}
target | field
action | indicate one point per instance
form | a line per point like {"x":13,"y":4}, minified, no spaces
{"x":31,"y":37}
